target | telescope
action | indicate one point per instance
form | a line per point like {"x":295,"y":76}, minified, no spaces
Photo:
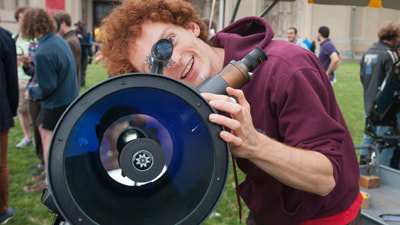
{"x":139,"y":148}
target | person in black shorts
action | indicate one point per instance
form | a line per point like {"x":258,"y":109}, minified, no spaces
{"x":54,"y":84}
{"x":48,"y":118}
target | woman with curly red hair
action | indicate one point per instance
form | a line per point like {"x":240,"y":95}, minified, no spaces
{"x":293,"y":145}
{"x":125,"y":26}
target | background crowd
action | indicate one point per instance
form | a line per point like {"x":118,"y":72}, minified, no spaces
{"x":42,"y":68}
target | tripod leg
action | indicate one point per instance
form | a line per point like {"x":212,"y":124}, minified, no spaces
{"x":58,"y":220}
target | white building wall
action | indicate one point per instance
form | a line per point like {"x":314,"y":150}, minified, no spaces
{"x":72,"y":7}
{"x":8,"y":7}
{"x":247,"y":7}
{"x":305,"y":17}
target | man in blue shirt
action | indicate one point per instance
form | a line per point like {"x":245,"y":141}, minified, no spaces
{"x":292,"y":37}
{"x":328,"y":55}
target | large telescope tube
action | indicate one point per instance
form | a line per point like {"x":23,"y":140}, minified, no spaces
{"x":139,"y":148}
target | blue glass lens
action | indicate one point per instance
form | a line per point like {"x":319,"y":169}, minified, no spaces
{"x":186,"y":143}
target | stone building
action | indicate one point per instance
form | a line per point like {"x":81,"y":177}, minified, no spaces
{"x":91,"y":11}
{"x":353,"y":28}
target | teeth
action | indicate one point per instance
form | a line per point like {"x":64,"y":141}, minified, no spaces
{"x":187,"y":69}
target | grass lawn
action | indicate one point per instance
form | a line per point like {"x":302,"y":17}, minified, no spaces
{"x":349,"y":94}
{"x":30,"y":210}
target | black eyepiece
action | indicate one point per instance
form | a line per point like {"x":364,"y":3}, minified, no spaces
{"x":235,"y":74}
{"x":162,"y":50}
{"x":161,"y":53}
{"x":254,"y":58}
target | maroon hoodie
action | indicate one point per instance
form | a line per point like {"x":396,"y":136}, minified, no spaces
{"x":292,"y":101}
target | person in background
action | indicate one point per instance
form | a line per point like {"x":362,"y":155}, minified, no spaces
{"x":285,"y":130}
{"x":212,"y":28}
{"x":395,"y":162}
{"x":98,"y":44}
{"x":99,"y":56}
{"x":8,"y":109}
{"x":97,"y":38}
{"x":34,"y":107}
{"x":86,"y":46}
{"x":307,"y":43}
{"x":55,"y":76}
{"x":376,"y":63}
{"x":328,"y":55}
{"x":91,"y":41}
{"x":310,"y":45}
{"x":292,"y":38}
{"x":23,"y":79}
{"x":69,"y":35}
{"x":313,"y":46}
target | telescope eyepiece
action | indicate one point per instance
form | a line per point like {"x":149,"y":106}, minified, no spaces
{"x":254,"y":58}
{"x":161,"y":53}
{"x":235,"y":74}
{"x":162,"y":50}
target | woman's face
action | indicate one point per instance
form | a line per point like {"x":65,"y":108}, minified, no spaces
{"x":193,"y":59}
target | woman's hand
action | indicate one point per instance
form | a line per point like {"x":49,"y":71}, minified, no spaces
{"x":242,"y":137}
{"x":25,"y":60}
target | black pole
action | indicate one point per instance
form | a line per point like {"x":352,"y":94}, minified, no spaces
{"x":268,"y":8}
{"x":235,"y":10}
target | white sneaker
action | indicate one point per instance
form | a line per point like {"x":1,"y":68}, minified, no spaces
{"x":24,"y":142}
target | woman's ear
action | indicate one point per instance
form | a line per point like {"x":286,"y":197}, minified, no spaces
{"x":194,"y":27}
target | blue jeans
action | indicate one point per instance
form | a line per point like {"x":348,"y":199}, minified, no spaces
{"x":386,"y":153}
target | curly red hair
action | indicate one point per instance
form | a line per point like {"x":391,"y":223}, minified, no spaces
{"x":123,"y":26}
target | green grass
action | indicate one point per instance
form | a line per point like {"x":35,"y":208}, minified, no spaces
{"x":349,"y":94}
{"x":30,"y":210}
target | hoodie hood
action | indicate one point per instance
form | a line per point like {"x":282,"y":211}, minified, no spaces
{"x":242,"y":35}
